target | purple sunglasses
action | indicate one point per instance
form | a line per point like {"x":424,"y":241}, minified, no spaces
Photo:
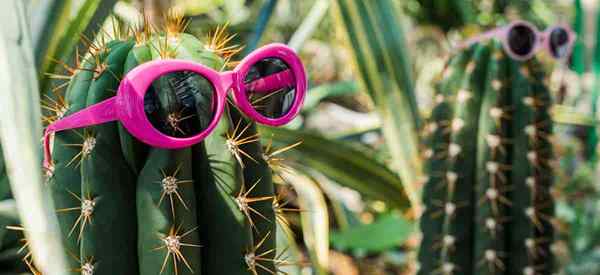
{"x":269,"y":86}
{"x":521,"y":40}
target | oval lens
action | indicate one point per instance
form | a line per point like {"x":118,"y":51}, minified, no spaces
{"x":559,"y":42}
{"x":180,"y":104}
{"x":271,"y":87}
{"x":521,"y":40}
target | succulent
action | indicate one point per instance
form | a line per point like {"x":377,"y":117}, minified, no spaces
{"x":489,"y":157}
{"x":127,"y":208}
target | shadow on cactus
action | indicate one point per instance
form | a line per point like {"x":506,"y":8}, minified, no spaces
{"x":128,"y":208}
{"x":489,"y":166}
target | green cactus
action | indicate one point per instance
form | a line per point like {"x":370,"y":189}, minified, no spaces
{"x":487,"y":196}
{"x":127,"y":208}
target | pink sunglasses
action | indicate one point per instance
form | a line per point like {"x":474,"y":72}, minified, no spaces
{"x":164,"y":102}
{"x":521,"y":40}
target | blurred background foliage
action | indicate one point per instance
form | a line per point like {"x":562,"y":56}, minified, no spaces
{"x":356,"y":176}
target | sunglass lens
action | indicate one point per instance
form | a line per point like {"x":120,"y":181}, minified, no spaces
{"x":271,"y":87}
{"x":559,"y":42}
{"x":521,"y":40}
{"x":180,"y":104}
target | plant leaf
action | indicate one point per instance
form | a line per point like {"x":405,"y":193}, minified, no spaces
{"x":289,"y":251}
{"x":386,"y":232}
{"x":344,"y":164}
{"x":375,"y":37}
{"x":87,"y":22}
{"x":315,"y":95}
{"x":592,"y":139}
{"x":19,"y":134}
{"x":567,"y":115}
{"x":579,"y":55}
{"x":315,"y":219}
{"x":309,"y":24}
{"x":266,"y":11}
{"x":48,"y":17}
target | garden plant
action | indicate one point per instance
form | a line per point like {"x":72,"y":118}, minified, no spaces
{"x":327,"y":137}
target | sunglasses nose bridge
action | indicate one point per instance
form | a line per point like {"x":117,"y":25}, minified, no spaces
{"x":542,"y":38}
{"x":227,"y":80}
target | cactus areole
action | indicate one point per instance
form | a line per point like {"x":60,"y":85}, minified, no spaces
{"x":487,"y":196}
{"x":199,"y":204}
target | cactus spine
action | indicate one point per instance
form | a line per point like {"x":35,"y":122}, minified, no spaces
{"x":126,"y":208}
{"x":487,"y":197}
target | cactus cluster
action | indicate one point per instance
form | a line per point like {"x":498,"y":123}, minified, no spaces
{"x":489,"y":157}
{"x":127,"y":208}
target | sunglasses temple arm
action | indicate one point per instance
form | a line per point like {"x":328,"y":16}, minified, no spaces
{"x":481,"y":37}
{"x":93,"y":115}
{"x":272,"y":82}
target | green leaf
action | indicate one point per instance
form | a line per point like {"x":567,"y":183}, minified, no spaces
{"x":386,"y":232}
{"x":288,"y":249}
{"x":568,"y":115}
{"x":315,"y":219}
{"x":344,"y":164}
{"x":309,"y":24}
{"x":376,"y":40}
{"x":315,"y":95}
{"x":585,"y":263}
{"x":264,"y":15}
{"x":578,"y":55}
{"x":20,"y":136}
{"x":87,"y":21}
{"x":592,"y":140}
{"x":49,"y":16}
{"x":446,"y":15}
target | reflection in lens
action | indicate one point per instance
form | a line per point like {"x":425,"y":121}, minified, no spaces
{"x":559,"y":42}
{"x":180,"y":104}
{"x":271,"y":87}
{"x":521,"y":40}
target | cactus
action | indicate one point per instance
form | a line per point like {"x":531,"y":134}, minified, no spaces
{"x":127,"y":208}
{"x":487,"y":195}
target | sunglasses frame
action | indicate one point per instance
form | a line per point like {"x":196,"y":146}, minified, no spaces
{"x":542,"y":39}
{"x":128,"y":105}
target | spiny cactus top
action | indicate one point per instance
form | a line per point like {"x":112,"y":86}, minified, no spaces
{"x":487,"y":197}
{"x":127,"y":208}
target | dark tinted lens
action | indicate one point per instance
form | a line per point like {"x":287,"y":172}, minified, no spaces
{"x":180,"y":104}
{"x":559,"y":42}
{"x":521,"y":40}
{"x":271,"y":87}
